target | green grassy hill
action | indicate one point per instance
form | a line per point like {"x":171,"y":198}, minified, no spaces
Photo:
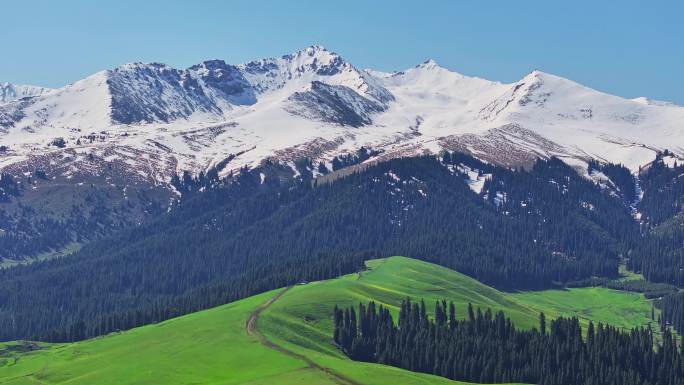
{"x":291,"y":338}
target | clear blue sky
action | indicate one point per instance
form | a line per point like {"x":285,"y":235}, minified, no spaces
{"x":629,"y":48}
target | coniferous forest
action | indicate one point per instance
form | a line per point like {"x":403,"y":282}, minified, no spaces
{"x":524,"y":229}
{"x":226,"y":243}
{"x":487,"y":348}
{"x":672,"y":307}
{"x":659,"y":254}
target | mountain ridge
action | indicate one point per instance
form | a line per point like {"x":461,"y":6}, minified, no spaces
{"x":193,"y":119}
{"x":10,"y":92}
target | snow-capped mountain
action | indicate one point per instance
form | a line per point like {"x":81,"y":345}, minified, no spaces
{"x":154,"y":120}
{"x":10,"y":92}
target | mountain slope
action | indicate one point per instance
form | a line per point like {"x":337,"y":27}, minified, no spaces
{"x":314,"y":102}
{"x":131,"y":129}
{"x":660,"y":211}
{"x":212,"y":346}
{"x":10,"y":92}
{"x":512,"y":229}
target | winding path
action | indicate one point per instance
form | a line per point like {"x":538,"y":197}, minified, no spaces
{"x":252,"y":330}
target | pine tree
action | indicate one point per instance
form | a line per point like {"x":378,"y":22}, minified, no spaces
{"x":488,"y":349}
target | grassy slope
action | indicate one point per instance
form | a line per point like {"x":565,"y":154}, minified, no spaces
{"x":63,"y":252}
{"x":212,"y":346}
{"x":301,"y":320}
{"x":208,"y":347}
{"x":618,"y":308}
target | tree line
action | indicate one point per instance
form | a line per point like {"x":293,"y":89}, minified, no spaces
{"x":487,"y":348}
{"x":672,"y":311}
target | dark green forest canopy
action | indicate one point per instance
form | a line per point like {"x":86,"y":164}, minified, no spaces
{"x":525,"y":230}
{"x":487,"y":348}
{"x":660,"y":252}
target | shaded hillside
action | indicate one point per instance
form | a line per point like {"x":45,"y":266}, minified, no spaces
{"x":228,"y":243}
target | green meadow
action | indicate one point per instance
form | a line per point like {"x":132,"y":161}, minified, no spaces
{"x":291,"y":343}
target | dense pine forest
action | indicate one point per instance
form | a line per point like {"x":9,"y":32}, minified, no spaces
{"x":660,"y":253}
{"x":526,"y":229}
{"x":487,"y":348}
{"x":672,"y":307}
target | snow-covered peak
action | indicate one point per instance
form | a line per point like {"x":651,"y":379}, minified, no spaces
{"x":539,"y":90}
{"x":317,"y":59}
{"x":429,"y":64}
{"x":653,"y":102}
{"x":430,"y":80}
{"x":209,"y":66}
{"x":311,"y":60}
{"x":537,"y":73}
{"x":133,"y":66}
{"x":296,"y":71}
{"x":83,"y":105}
{"x":586,"y":122}
{"x":313,"y":103}
{"x":10,"y":92}
{"x":428,"y":73}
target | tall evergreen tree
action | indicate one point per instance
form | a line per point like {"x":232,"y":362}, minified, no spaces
{"x":487,"y":348}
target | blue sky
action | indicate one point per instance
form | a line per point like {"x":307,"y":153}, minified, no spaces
{"x":629,"y":48}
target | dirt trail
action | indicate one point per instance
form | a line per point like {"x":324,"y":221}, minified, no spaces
{"x":252,"y":330}
{"x":254,"y":317}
